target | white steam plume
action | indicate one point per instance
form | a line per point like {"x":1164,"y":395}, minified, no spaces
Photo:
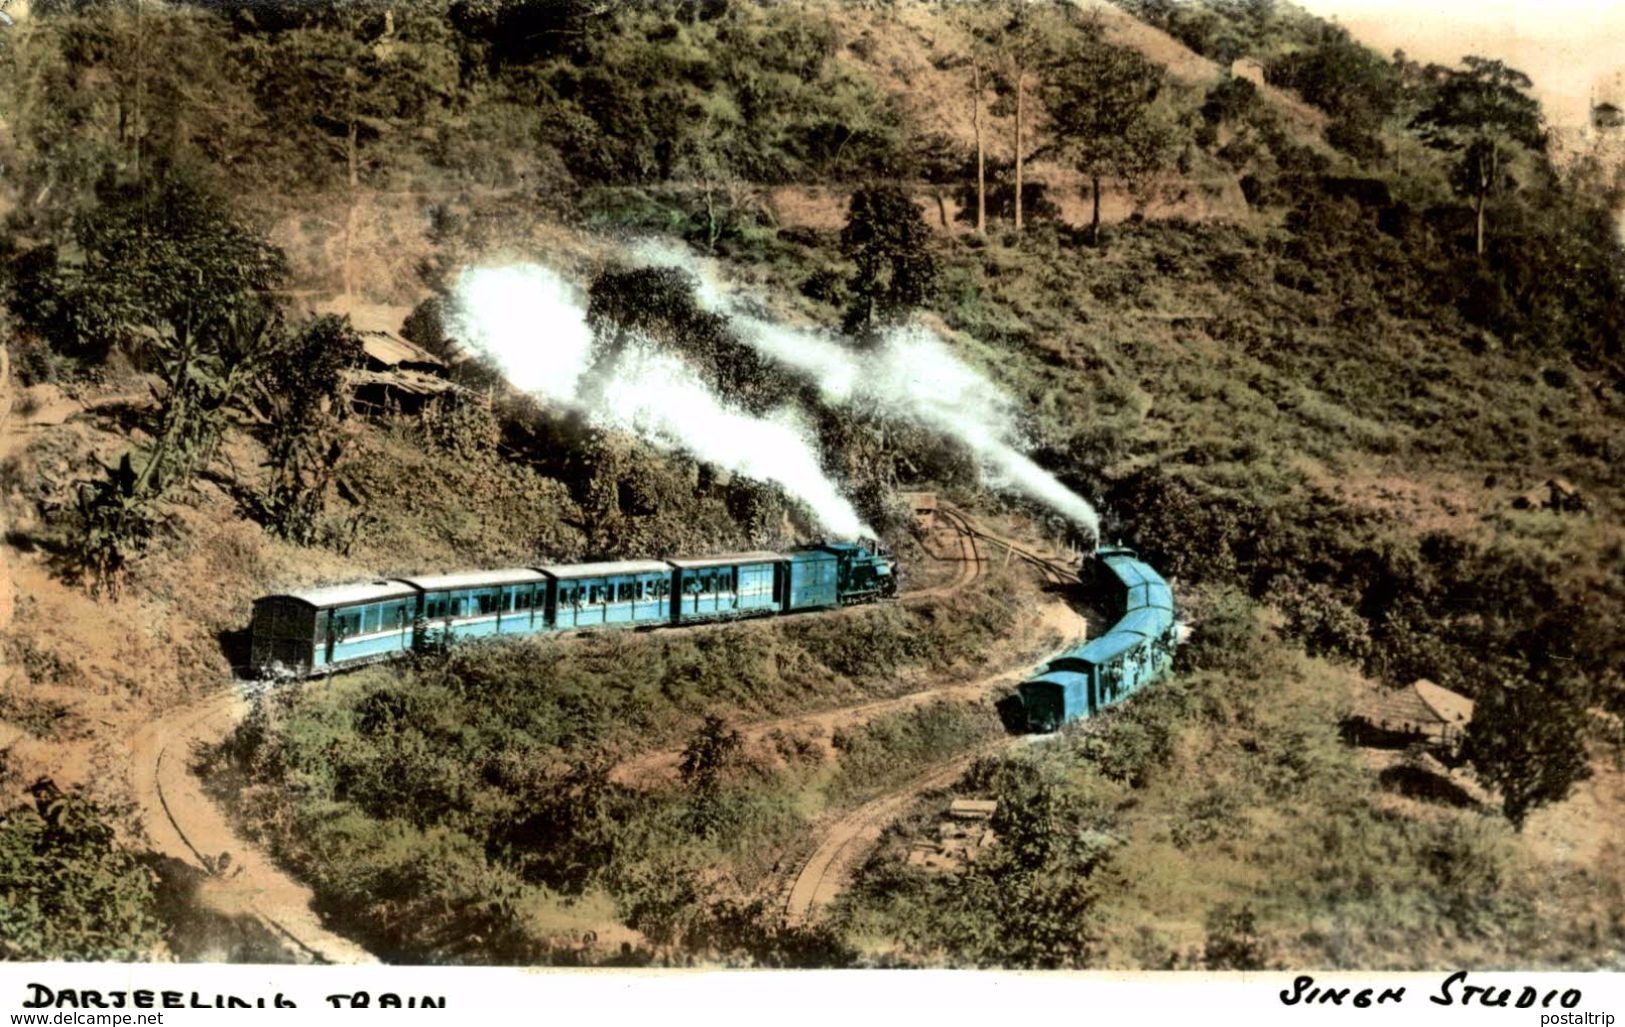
{"x":911,"y":374}
{"x":533,"y":325}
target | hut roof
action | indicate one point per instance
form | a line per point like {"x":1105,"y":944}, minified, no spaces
{"x":388,"y":350}
{"x":1397,"y":706}
{"x":1450,"y":707}
{"x":1420,"y":703}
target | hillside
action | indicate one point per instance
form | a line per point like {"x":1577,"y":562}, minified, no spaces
{"x":1303,"y":364}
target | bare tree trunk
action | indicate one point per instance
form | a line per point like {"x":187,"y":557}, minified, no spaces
{"x":137,"y":129}
{"x":1021,"y":81}
{"x":1480,"y":226}
{"x":981,"y":163}
{"x":349,"y":215}
{"x":1094,"y":221}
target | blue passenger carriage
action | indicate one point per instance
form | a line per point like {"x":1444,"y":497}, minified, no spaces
{"x":595,"y":595}
{"x":1133,"y":652}
{"x":812,"y":579}
{"x":721,"y":587}
{"x":301,"y":632}
{"x":478,"y":604}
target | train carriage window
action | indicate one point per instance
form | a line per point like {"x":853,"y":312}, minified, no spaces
{"x":623,"y":592}
{"x":457,"y":606}
{"x":487,"y":601}
{"x":593,"y":594}
{"x":346,"y":624}
{"x":725,"y":581}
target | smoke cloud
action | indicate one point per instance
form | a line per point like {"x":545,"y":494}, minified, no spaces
{"x":532,"y":324}
{"x":911,"y":375}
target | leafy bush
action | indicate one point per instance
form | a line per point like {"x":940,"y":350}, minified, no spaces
{"x":70,"y":891}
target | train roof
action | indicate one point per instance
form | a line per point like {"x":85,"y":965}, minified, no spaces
{"x":1155,"y":594}
{"x":1099,"y":650}
{"x":605,"y":568}
{"x":1059,"y":679}
{"x":348,"y":594}
{"x":1131,"y":570}
{"x":727,"y":559}
{"x":476,"y":579}
{"x":1150,"y":621}
{"x":838,"y":547}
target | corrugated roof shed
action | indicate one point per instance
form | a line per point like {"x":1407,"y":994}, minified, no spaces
{"x":390,"y":350}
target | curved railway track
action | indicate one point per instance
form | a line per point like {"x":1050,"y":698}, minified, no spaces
{"x":1053,"y":569}
{"x":828,"y":870}
{"x":184,"y":823}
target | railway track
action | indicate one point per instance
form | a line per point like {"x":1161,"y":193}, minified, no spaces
{"x":184,"y":823}
{"x":1053,"y":569}
{"x":969,"y":558}
{"x":830,"y":867}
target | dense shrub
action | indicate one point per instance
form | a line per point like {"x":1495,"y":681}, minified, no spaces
{"x":70,"y":891}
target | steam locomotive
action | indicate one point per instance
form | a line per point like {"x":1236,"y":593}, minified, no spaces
{"x":297,"y":634}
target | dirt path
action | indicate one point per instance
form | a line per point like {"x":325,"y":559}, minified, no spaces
{"x":184,"y":823}
{"x":818,"y":728}
{"x":847,"y":841}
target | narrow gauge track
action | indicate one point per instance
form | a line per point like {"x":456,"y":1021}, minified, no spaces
{"x":1053,"y":570}
{"x":828,"y":869}
{"x":972,"y":564}
{"x":185,"y":824}
{"x":182,"y":821}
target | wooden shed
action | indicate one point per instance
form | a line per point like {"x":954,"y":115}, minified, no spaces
{"x":1420,"y":712}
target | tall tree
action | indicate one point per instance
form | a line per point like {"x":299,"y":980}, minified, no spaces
{"x":886,"y":237}
{"x":1021,"y":43}
{"x":1528,"y":742}
{"x":1483,"y":114}
{"x":981,"y":148}
{"x":118,"y":91}
{"x":165,"y":274}
{"x":1100,"y":98}
{"x":302,"y":397}
{"x":1010,"y":47}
